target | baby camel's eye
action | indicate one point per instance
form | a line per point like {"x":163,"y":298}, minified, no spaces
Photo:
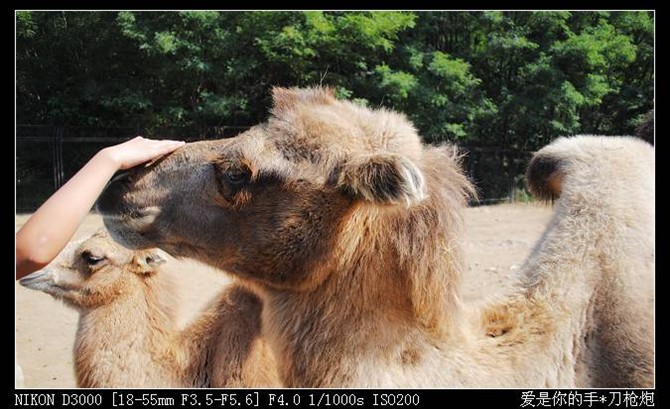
{"x":91,"y":259}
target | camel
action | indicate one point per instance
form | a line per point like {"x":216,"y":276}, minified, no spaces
{"x":127,"y":335}
{"x":349,"y":230}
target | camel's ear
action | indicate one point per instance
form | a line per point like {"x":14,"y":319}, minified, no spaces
{"x":146,"y":262}
{"x":544,"y":176}
{"x":286,"y":98}
{"x":383,"y":179}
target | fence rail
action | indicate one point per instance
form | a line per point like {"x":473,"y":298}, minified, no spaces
{"x":47,"y":156}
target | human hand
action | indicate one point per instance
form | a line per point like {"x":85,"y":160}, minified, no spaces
{"x":139,"y":150}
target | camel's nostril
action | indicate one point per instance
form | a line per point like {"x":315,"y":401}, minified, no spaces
{"x":123,"y":176}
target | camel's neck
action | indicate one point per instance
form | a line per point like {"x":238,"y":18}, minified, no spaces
{"x":369,"y":312}
{"x":125,"y":343}
{"x":322,"y":346}
{"x":390,"y":299}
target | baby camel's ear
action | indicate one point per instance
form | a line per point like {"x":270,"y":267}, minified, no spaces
{"x":146,"y":262}
{"x":384,"y":178}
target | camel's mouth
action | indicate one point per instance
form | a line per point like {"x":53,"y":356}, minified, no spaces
{"x":128,"y":231}
{"x":38,"y":280}
{"x":139,"y":220}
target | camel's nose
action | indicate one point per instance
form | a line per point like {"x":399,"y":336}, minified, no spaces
{"x":37,"y":280}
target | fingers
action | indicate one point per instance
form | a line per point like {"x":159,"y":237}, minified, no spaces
{"x":165,"y":147}
{"x":139,"y":150}
{"x":140,"y":140}
{"x":161,"y":147}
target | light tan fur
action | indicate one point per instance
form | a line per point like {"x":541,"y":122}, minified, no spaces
{"x":602,"y":240}
{"x":348,"y":229}
{"x":127,"y":338}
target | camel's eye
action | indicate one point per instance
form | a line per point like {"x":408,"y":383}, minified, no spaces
{"x":232,"y":178}
{"x":91,"y":259}
{"x":237,"y":177}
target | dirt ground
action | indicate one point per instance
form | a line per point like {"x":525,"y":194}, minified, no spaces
{"x":498,"y":239}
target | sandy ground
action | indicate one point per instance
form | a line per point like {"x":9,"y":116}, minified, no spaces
{"x":498,"y":239}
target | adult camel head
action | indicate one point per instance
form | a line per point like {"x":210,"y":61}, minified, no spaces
{"x":271,"y":204}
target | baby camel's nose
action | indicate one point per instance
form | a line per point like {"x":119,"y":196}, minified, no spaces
{"x":37,"y":279}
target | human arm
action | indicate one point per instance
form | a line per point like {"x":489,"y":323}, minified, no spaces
{"x":51,"y":227}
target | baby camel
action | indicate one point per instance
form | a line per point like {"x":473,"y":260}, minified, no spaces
{"x":127,"y":335}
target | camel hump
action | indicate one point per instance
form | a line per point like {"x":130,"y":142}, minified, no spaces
{"x":584,"y":157}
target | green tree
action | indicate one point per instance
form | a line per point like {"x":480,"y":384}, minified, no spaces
{"x":507,"y":81}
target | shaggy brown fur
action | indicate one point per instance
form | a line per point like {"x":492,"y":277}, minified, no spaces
{"x":127,"y":337}
{"x":348,"y":229}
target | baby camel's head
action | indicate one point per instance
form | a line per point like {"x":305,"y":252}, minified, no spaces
{"x":95,"y":272}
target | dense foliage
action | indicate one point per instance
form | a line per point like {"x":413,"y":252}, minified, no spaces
{"x":511,"y":80}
